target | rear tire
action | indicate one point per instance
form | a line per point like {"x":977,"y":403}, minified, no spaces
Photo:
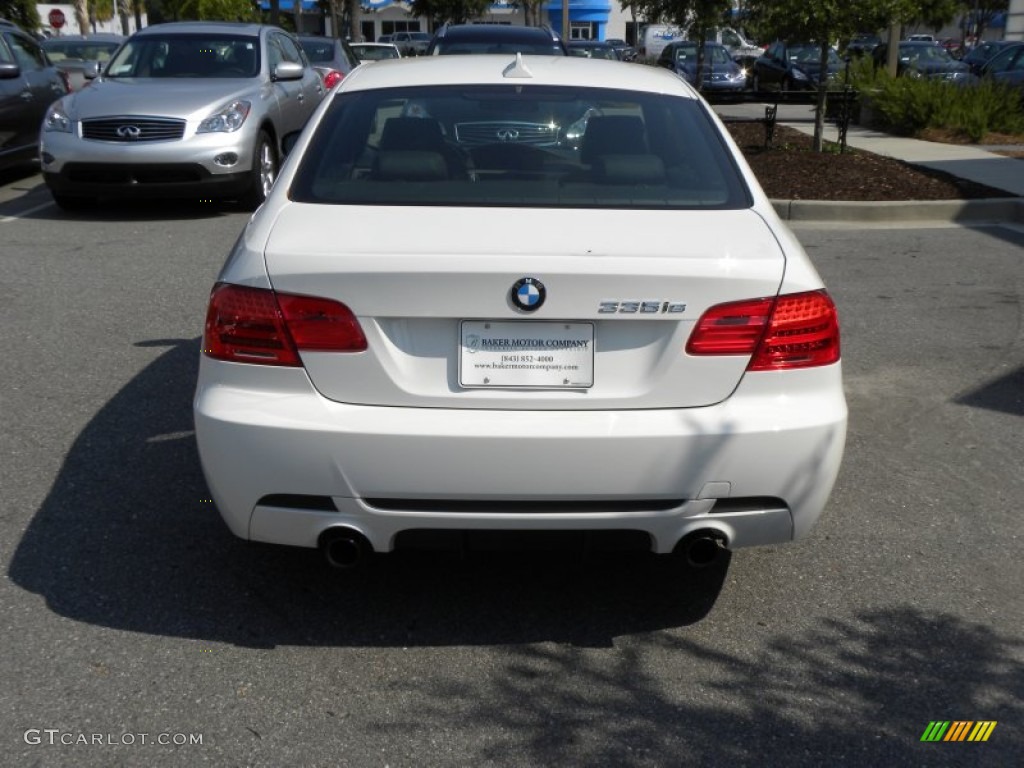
{"x":263,"y":173}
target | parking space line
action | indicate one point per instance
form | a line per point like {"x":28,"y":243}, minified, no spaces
{"x":23,"y":214}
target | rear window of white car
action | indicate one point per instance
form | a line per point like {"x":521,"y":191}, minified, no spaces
{"x":518,"y":145}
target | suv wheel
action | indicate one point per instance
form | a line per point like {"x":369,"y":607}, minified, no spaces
{"x":264,"y":171}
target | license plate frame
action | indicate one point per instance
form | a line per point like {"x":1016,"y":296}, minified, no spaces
{"x":531,"y":354}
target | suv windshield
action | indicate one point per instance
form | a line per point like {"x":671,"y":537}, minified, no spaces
{"x":202,"y":56}
{"x":516,"y":146}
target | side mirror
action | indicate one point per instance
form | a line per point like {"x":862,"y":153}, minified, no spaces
{"x":9,"y":71}
{"x":288,"y":70}
{"x":91,"y":70}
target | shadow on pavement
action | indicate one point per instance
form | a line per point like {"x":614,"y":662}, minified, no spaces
{"x":126,"y":539}
{"x":855,"y":692}
{"x":1004,"y":394}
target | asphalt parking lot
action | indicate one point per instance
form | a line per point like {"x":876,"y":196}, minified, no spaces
{"x":131,"y":617}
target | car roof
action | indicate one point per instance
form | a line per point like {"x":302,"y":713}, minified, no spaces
{"x":99,"y":37}
{"x":509,"y":69}
{"x":206,"y":27}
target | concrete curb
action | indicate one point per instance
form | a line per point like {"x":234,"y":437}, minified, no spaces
{"x":991,"y":210}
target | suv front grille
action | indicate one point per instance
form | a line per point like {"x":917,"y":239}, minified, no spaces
{"x":130,"y":130}
{"x":475,"y":134}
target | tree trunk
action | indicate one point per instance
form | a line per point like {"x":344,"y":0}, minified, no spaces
{"x":82,"y":15}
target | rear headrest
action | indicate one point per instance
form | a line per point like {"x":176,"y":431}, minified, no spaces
{"x":613,"y":135}
{"x":412,"y":133}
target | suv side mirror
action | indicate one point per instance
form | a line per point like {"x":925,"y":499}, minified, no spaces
{"x":288,"y":70}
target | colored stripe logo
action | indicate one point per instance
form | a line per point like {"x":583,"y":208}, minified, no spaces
{"x":958,"y":730}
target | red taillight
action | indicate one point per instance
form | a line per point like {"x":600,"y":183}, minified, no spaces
{"x":796,"y":330}
{"x":256,"y":325}
{"x":332,"y":78}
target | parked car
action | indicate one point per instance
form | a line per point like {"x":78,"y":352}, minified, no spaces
{"x":463,"y":39}
{"x":458,"y":371}
{"x":862,"y":44}
{"x":592,"y":49}
{"x":1007,"y":66}
{"x":981,"y":53}
{"x":186,"y":109}
{"x":29,"y":83}
{"x":411,"y":43}
{"x":742,"y":50}
{"x":721,"y":75}
{"x":73,"y":54}
{"x":331,"y":57}
{"x":626,"y":51}
{"x":375,"y":51}
{"x":920,"y":58}
{"x":794,"y":67}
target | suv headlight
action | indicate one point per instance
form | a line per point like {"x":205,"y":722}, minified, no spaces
{"x":227,"y":119}
{"x":57,"y":119}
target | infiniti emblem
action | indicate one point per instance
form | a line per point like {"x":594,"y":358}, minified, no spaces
{"x":528,"y":294}
{"x":508,"y":134}
{"x":129,"y":131}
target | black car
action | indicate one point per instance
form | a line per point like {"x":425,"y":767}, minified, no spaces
{"x":1006,"y":67}
{"x":983,"y":52}
{"x":862,"y":44}
{"x":794,"y":67}
{"x":920,"y":58}
{"x":29,"y":83}
{"x":455,"y":39}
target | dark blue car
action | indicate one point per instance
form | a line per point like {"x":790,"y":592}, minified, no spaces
{"x":721,"y":75}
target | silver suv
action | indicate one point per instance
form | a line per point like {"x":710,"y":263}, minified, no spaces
{"x":188,"y":110}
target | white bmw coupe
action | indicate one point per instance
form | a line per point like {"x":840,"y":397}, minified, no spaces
{"x":508,"y":293}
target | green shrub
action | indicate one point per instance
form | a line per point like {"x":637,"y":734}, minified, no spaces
{"x":907,"y":105}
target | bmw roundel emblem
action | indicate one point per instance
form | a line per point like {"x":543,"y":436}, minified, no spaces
{"x":528,"y":294}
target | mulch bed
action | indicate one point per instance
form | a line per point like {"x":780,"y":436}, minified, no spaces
{"x":791,"y":170}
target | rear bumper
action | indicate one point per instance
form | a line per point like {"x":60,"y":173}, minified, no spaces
{"x":757,"y":468}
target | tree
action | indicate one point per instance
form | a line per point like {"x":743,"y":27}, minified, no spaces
{"x":695,"y":16}
{"x":225,"y":10}
{"x":821,"y":22}
{"x":82,"y":16}
{"x":982,"y":12}
{"x":453,"y":11}
{"x":21,"y":12}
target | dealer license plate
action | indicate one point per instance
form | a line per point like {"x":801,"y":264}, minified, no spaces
{"x":526,"y":354}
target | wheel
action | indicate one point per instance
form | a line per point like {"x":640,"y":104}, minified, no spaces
{"x":70,"y":203}
{"x":264,"y":171}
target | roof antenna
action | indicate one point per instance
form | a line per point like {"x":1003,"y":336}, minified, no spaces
{"x":517,"y":68}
